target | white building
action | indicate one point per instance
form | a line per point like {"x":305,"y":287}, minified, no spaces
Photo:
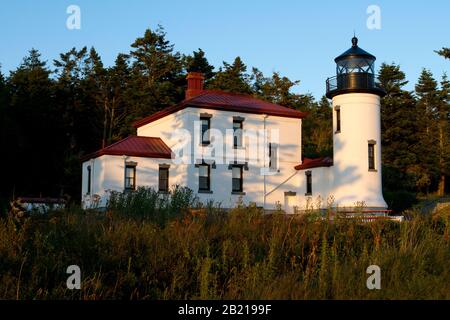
{"x":230,"y":147}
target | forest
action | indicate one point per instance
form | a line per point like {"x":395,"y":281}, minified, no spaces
{"x":52,"y":113}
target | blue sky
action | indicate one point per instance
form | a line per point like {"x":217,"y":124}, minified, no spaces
{"x":299,"y":39}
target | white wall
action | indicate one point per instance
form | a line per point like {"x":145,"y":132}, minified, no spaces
{"x":289,"y":151}
{"x":321,"y":185}
{"x":108,"y":173}
{"x":360,"y":122}
{"x":347,"y":182}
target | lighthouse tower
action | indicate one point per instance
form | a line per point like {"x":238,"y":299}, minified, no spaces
{"x":356,"y":130}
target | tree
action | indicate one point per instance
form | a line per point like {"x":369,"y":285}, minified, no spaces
{"x":197,"y":62}
{"x":445,"y":52}
{"x":399,"y":131}
{"x":429,"y":130}
{"x":34,"y":145}
{"x":157,"y":78}
{"x":232,"y":78}
{"x":444,"y":133}
{"x":119,"y":78}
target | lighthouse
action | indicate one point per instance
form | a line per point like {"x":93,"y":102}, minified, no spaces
{"x":356,"y":131}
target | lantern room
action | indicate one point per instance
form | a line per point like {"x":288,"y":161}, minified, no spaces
{"x":355,"y":72}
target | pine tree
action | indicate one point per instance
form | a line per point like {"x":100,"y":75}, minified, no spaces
{"x":232,"y":78}
{"x":317,"y":129}
{"x":277,"y":89}
{"x":119,"y":78}
{"x":157,"y":77}
{"x":445,"y":52}
{"x":444,"y":133}
{"x":398,"y":130}
{"x":429,"y":131}
{"x":34,"y":146}
{"x":197,"y":62}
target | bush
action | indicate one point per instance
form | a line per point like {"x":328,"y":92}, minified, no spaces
{"x":150,"y":204}
{"x":400,"y":201}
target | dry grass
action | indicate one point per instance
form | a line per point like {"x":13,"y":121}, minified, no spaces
{"x":209,"y":254}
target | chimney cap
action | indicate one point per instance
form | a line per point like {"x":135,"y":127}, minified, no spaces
{"x":196,"y":75}
{"x":194,"y":84}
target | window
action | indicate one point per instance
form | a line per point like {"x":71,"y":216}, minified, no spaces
{"x":237,"y":180}
{"x":205,"y":123}
{"x":163,"y":179}
{"x":237,"y":133}
{"x":338,"y":120}
{"x":308,"y":183}
{"x":130,"y":177}
{"x":89,"y":171}
{"x":273,"y":156}
{"x":371,"y":151}
{"x":204,"y":177}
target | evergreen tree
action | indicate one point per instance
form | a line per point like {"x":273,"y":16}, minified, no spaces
{"x":444,"y":134}
{"x":119,"y":78}
{"x":276,"y":89}
{"x":197,"y":62}
{"x":317,"y":129}
{"x":399,"y":130}
{"x":157,"y":77}
{"x":34,"y":146}
{"x":445,"y":52}
{"x":428,"y":147}
{"x":232,"y":78}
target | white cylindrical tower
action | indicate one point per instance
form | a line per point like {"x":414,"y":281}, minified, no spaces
{"x":356,"y":131}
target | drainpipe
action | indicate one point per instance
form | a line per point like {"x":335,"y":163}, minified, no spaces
{"x":92,"y":162}
{"x":264,"y":157}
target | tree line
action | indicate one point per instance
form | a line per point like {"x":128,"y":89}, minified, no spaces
{"x":53,"y":113}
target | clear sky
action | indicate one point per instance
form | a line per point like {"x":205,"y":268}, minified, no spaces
{"x":298,"y":38}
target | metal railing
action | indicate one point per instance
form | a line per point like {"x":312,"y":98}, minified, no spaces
{"x":355,"y":81}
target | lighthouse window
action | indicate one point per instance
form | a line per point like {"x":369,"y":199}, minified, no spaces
{"x":371,"y":151}
{"x":338,"y":119}
{"x":308,"y":183}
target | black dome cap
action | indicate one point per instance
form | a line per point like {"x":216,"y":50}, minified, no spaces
{"x":354,"y":52}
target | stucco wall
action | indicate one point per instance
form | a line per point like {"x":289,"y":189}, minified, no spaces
{"x":108,"y":173}
{"x":360,"y":122}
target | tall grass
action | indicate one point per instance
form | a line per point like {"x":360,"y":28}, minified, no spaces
{"x":151,"y":247}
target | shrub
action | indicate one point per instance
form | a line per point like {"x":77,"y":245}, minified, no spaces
{"x":400,"y":201}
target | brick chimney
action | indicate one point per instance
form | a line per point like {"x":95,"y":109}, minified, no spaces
{"x":194,"y":84}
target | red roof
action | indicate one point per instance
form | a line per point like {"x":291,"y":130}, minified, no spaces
{"x":148,"y":147}
{"x":220,"y":100}
{"x":314,"y":163}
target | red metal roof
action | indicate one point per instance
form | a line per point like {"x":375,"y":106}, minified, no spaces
{"x":148,"y":147}
{"x":309,"y":163}
{"x":220,"y":100}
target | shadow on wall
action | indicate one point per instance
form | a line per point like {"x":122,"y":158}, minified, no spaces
{"x":343,"y":177}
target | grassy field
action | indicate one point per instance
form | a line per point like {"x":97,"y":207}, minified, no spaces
{"x":147,"y":248}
